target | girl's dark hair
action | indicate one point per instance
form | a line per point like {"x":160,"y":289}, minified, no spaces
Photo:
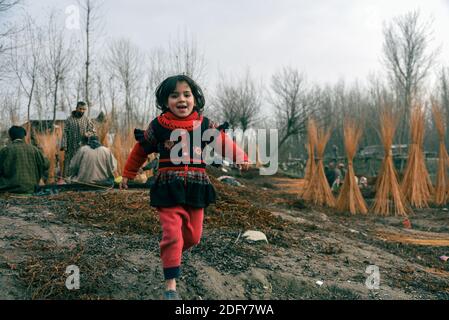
{"x":168,"y":86}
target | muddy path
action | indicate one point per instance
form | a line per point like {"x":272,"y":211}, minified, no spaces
{"x":312,"y":253}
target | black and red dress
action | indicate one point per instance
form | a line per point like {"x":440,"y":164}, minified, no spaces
{"x":184,"y":183}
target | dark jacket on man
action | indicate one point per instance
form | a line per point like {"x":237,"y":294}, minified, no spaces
{"x":21,"y":167}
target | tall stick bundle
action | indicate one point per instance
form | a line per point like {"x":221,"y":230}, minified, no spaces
{"x":121,"y":148}
{"x":103,"y":130}
{"x":59,"y":131}
{"x":350,"y":198}
{"x":28,"y":135}
{"x":311,"y":143}
{"x":318,"y":190}
{"x":441,"y":194}
{"x":48,"y":142}
{"x":388,"y":192}
{"x":416,"y":185}
{"x":310,"y":146}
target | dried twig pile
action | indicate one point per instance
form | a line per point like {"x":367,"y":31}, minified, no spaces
{"x":103,"y":130}
{"x":310,"y":146}
{"x":44,"y":271}
{"x":311,"y":143}
{"x":124,"y":212}
{"x":442,"y":184}
{"x":416,"y":185}
{"x":121,"y":148}
{"x":318,"y":190}
{"x":48,"y":142}
{"x":234,"y":210}
{"x":350,"y":198}
{"x":388,"y":192}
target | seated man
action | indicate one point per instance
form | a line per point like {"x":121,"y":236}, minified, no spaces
{"x":339,"y":177}
{"x":21,"y":165}
{"x":93,"y":163}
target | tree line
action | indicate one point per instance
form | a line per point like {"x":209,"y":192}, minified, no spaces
{"x":47,"y":67}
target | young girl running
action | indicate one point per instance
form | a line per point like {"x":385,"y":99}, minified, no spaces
{"x":181,"y":191}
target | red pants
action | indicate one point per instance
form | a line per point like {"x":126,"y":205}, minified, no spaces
{"x":182,"y":227}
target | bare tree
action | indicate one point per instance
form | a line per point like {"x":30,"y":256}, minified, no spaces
{"x":91,"y":22}
{"x":6,"y":5}
{"x":112,"y":92}
{"x":126,"y":62}
{"x":5,"y":31}
{"x":186,"y":58}
{"x":408,"y":59}
{"x":226,"y":104}
{"x":10,"y":101}
{"x":58,"y":59}
{"x":25,"y":58}
{"x":101,"y":93}
{"x":159,"y":69}
{"x":444,"y":87}
{"x":239,"y":101}
{"x":290,"y":100}
{"x":443,"y":90}
{"x":147,"y":100}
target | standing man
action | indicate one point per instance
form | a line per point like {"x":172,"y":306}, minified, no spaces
{"x":76,"y":127}
{"x":21,"y":165}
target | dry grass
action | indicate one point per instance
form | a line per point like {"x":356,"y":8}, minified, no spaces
{"x":123,"y":212}
{"x":416,"y":237}
{"x":318,"y":191}
{"x":350,"y":198}
{"x":103,"y":130}
{"x":44,"y":271}
{"x":49,"y":144}
{"x":290,"y":186}
{"x":389,"y":196}
{"x":441,"y":188}
{"x":234,"y":209}
{"x":416,"y":185}
{"x":121,"y":148}
{"x":28,"y":136}
{"x":61,"y":162}
{"x":310,"y":146}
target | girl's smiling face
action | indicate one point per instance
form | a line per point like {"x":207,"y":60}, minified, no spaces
{"x":181,"y":101}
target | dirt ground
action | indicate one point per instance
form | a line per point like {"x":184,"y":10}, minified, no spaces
{"x":113,"y":236}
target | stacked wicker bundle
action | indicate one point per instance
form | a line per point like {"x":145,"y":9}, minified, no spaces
{"x":103,"y":130}
{"x":311,"y":143}
{"x":416,"y":185}
{"x":28,"y":135}
{"x":387,"y":186}
{"x":48,"y":142}
{"x":350,"y":198}
{"x":318,"y":190}
{"x":310,"y":146}
{"x":121,"y":148}
{"x":442,"y":183}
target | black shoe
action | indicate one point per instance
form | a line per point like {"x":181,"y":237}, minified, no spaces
{"x":171,"y":295}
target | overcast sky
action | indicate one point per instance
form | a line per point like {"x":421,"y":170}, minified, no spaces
{"x":328,"y":40}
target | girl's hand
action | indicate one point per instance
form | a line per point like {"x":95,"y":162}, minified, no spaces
{"x":124,"y":184}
